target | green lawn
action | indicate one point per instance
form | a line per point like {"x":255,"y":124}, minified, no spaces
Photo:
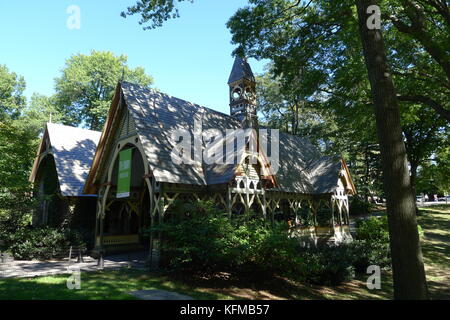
{"x":102,"y":285}
{"x":435,"y":222}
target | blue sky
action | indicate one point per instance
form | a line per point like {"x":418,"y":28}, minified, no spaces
{"x":189,"y":57}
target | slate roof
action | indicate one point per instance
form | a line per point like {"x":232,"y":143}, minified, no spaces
{"x":302,"y":169}
{"x":241,"y":70}
{"x":73,"y":150}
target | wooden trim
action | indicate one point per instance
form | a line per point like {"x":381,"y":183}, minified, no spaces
{"x":37,"y":159}
{"x":348,"y":176}
{"x":90,"y":187}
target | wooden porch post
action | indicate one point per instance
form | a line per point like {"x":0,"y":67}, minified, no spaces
{"x":152,"y":218}
{"x":229,"y":202}
{"x":264,"y":206}
{"x":102,"y":219}
{"x":332,"y":211}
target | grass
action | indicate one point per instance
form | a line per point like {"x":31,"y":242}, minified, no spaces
{"x":101,"y":285}
{"x":434,"y":220}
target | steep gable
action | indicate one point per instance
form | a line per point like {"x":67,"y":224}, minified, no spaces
{"x":72,"y":149}
{"x":155,"y":116}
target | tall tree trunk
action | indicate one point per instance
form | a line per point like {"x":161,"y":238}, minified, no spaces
{"x":407,"y":263}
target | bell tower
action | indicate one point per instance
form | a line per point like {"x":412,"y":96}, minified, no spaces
{"x":243,"y":93}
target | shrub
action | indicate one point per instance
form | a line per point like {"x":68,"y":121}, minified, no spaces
{"x":328,"y":265}
{"x":370,"y":252}
{"x":359,"y":206}
{"x":371,"y":246}
{"x":208,"y":242}
{"x":197,"y":244}
{"x":41,"y":243}
{"x":205,"y":242}
{"x":372,"y":228}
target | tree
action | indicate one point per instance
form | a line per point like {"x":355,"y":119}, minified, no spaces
{"x":407,"y":264}
{"x":422,"y":30}
{"x":87,"y":83}
{"x":40,"y":110}
{"x":17,"y":144}
{"x":424,"y":133}
{"x":11,"y":94}
{"x":155,"y":12}
{"x":287,"y":108}
{"x":433,"y":176}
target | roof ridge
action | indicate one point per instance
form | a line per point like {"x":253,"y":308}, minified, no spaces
{"x":170,"y":96}
{"x":72,"y":127}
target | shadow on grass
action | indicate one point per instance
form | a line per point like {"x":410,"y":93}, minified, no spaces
{"x":103,"y":285}
{"x":113,"y":285}
{"x":282,"y":288}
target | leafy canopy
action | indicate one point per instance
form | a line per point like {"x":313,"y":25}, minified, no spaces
{"x":87,"y":83}
{"x":12,"y":100}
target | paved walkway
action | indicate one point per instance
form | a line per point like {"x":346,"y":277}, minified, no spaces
{"x":24,"y":269}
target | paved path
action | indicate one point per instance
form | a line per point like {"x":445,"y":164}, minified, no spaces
{"x":20,"y":268}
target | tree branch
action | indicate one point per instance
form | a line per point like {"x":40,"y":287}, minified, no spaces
{"x":445,"y":113}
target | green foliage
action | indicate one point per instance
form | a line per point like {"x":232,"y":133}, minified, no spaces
{"x":41,"y":243}
{"x":372,"y":228}
{"x":17,"y":149}
{"x":11,"y":94}
{"x":325,"y":264}
{"x":359,"y":206}
{"x":371,"y":246}
{"x":205,"y":242}
{"x":365,"y":253}
{"x":155,"y":12}
{"x":87,"y":83}
{"x":433,"y":176}
{"x":10,"y":222}
{"x":39,"y":111}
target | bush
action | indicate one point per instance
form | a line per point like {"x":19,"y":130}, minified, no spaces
{"x":205,"y":242}
{"x":328,"y":265}
{"x":41,"y":243}
{"x":370,"y":252}
{"x":359,"y":206}
{"x":372,"y":228}
{"x":371,"y":246}
{"x":208,"y":242}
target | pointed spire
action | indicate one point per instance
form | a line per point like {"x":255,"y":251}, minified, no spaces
{"x":241,"y":70}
